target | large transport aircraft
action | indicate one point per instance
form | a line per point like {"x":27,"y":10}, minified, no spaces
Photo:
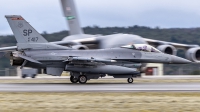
{"x":116,"y":40}
{"x":80,"y":41}
{"x":33,"y":50}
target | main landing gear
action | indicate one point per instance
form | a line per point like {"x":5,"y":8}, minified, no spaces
{"x":73,"y":79}
{"x":130,"y":80}
{"x":82,"y":79}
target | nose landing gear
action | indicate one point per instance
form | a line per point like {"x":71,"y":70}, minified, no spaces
{"x":130,"y":80}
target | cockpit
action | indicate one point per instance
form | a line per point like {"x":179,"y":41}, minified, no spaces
{"x":142,"y":47}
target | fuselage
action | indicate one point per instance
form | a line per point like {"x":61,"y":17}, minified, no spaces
{"x":118,"y":54}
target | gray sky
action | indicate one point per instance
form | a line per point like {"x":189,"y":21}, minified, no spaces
{"x":46,"y":15}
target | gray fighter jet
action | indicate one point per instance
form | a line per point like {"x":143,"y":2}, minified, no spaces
{"x":35,"y":51}
{"x":79,"y":40}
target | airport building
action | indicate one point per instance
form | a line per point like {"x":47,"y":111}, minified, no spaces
{"x":154,"y":69}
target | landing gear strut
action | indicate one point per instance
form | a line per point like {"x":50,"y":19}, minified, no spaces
{"x":130,"y":80}
{"x":82,"y":79}
{"x":73,"y":79}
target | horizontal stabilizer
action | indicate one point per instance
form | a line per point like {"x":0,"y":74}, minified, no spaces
{"x":29,"y":59}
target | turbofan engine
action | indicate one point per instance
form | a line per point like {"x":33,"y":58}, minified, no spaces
{"x":80,"y":47}
{"x":193,"y":54}
{"x":15,"y":60}
{"x":168,"y":49}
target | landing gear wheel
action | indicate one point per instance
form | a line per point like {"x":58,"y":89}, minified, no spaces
{"x":130,"y":80}
{"x":82,"y":79}
{"x":24,"y":76}
{"x":33,"y":76}
{"x":73,"y":79}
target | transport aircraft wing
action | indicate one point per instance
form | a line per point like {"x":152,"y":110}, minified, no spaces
{"x":5,"y":49}
{"x":176,"y":45}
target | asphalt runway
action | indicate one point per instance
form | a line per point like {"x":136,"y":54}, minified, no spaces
{"x":95,"y":87}
{"x":108,"y":77}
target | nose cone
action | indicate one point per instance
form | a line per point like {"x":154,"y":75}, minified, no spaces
{"x":179,"y":60}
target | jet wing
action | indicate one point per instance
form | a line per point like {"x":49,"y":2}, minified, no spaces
{"x":88,"y":61}
{"x":177,"y":45}
{"x":29,"y":59}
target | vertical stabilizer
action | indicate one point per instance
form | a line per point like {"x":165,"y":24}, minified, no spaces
{"x":70,"y":13}
{"x":27,"y":37}
{"x":23,"y":31}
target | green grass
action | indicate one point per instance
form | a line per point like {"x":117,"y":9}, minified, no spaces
{"x":99,"y":102}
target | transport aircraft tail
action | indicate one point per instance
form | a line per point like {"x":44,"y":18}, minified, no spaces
{"x":69,"y":11}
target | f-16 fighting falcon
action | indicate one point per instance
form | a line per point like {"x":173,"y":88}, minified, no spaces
{"x":80,"y":41}
{"x":35,"y":51}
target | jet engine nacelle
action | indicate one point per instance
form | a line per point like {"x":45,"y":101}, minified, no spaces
{"x":15,"y":61}
{"x":193,"y":54}
{"x":168,"y":49}
{"x":80,"y":47}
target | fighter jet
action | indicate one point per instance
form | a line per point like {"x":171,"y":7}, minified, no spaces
{"x":33,"y":50}
{"x":79,"y":40}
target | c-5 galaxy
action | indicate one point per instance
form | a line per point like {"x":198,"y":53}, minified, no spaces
{"x":35,"y":51}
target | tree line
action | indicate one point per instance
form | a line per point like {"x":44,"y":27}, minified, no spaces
{"x":179,"y":35}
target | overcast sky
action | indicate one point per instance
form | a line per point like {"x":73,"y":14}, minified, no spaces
{"x":46,"y":15}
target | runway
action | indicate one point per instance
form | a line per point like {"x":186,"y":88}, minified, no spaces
{"x":108,"y":77}
{"x":95,"y":87}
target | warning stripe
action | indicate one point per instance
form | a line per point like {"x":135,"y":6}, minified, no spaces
{"x":19,"y":18}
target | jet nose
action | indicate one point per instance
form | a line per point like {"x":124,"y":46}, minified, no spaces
{"x":179,"y":60}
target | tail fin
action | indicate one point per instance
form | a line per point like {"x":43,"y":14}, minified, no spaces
{"x":27,"y":37}
{"x":23,"y":31}
{"x":70,"y":13}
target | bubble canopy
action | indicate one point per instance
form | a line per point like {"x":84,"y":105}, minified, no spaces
{"x":142,"y":47}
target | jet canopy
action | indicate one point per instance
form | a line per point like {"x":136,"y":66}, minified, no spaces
{"x":142,"y":47}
